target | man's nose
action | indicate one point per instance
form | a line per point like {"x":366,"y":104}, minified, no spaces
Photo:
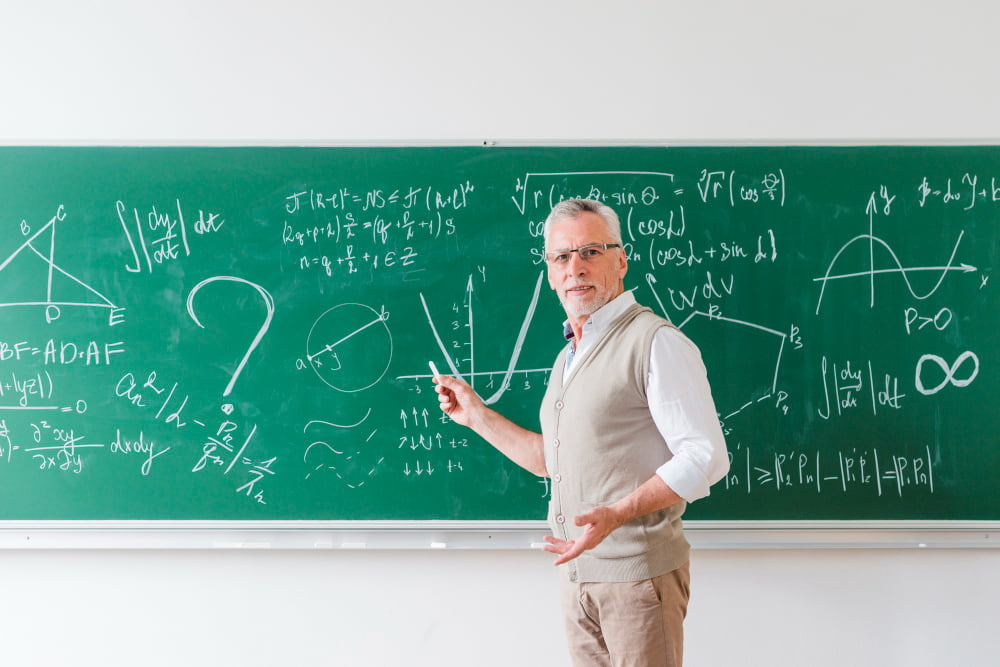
{"x":577,"y":265}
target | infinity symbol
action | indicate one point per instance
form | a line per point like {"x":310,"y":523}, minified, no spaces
{"x":949,"y":372}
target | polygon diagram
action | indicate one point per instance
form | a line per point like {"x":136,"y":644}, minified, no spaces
{"x":742,"y":359}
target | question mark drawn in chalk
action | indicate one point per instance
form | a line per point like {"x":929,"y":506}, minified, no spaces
{"x":268,"y":303}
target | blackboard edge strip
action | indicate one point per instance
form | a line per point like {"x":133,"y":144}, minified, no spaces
{"x":509,"y":142}
{"x":479,"y":535}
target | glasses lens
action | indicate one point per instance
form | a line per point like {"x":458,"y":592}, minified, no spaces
{"x":557,"y":256}
{"x":587,"y":253}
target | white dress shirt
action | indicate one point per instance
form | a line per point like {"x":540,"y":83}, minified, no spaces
{"x":680,"y":402}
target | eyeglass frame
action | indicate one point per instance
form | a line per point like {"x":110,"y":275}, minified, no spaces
{"x":579,"y":251}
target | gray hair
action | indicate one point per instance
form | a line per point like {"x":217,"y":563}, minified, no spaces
{"x":571,"y":208}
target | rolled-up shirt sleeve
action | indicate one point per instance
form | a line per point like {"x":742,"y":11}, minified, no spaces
{"x":680,"y":401}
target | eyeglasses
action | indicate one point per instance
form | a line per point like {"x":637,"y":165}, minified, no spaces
{"x":589,"y":253}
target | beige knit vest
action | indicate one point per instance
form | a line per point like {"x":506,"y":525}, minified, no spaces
{"x":601,"y":444}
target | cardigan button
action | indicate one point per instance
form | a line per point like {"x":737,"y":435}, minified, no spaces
{"x":559,"y":405}
{"x":555,"y":443}
{"x":560,"y":519}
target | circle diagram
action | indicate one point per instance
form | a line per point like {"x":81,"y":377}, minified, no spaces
{"x":350,"y":347}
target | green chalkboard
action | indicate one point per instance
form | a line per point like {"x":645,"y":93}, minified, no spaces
{"x":244,"y":333}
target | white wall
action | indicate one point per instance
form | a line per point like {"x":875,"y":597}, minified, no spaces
{"x":490,"y":609}
{"x":457,"y":70}
{"x":381,"y":70}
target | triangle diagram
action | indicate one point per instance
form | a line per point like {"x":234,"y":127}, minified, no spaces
{"x":30,"y":276}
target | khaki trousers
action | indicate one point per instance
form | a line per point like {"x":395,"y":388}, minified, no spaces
{"x":631,"y":624}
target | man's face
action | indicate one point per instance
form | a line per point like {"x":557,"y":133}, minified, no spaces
{"x":584,"y":286}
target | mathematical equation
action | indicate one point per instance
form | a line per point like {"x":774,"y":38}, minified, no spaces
{"x":225,"y":444}
{"x":541,"y":192}
{"x":857,"y":470}
{"x":340,"y":232}
{"x":64,"y":442}
{"x":160,"y":237}
{"x":965,"y":190}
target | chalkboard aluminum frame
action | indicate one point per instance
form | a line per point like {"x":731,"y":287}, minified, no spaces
{"x":479,"y":535}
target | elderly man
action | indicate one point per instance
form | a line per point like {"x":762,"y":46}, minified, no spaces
{"x":629,"y":435}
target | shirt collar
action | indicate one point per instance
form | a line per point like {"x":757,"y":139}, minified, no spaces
{"x":601,"y":321}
